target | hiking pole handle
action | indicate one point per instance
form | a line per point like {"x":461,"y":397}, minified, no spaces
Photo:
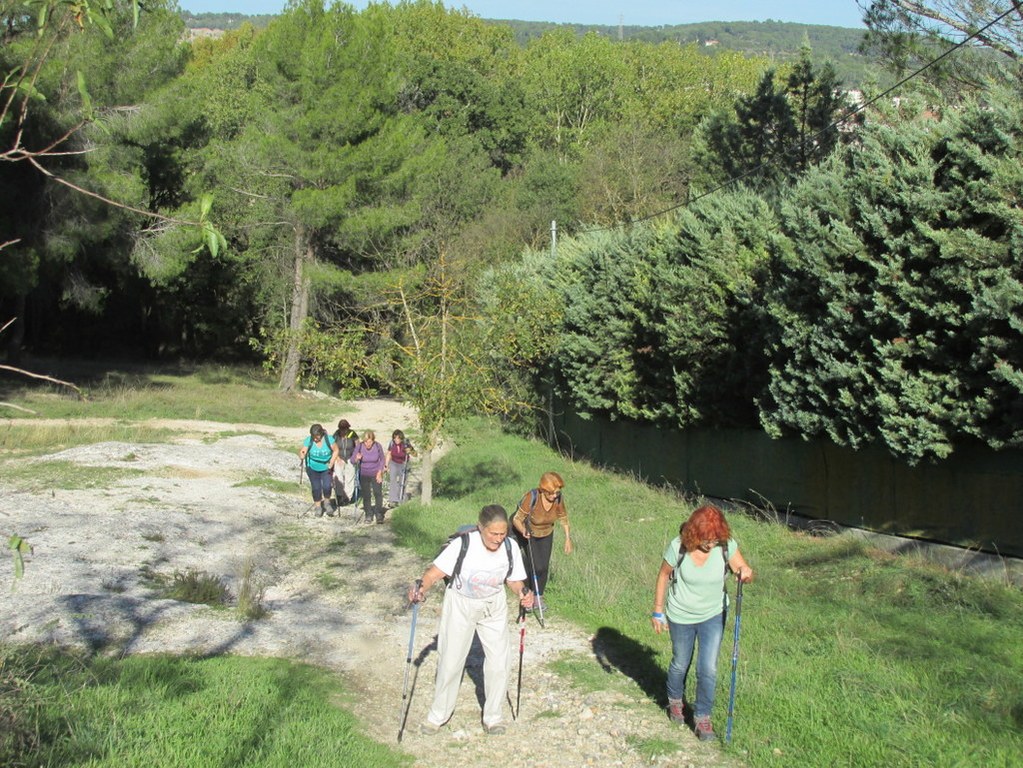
{"x":416,"y":595}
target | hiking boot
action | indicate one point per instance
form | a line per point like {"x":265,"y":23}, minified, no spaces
{"x":677,"y":710}
{"x":703,"y":729}
{"x":320,"y":509}
{"x":497,"y":729}
{"x":428,"y":729}
{"x":380,"y":519}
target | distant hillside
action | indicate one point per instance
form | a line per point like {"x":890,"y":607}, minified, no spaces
{"x":224,"y":21}
{"x":779,"y":40}
{"x":776,"y":39}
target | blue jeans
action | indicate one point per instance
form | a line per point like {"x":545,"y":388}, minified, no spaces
{"x":684,"y":637}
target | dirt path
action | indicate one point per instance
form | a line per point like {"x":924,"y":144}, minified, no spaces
{"x":334,"y":589}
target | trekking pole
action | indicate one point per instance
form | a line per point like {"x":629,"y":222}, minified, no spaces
{"x":404,"y":478}
{"x":301,"y":469}
{"x":538,"y":604}
{"x":356,"y":487}
{"x":522,"y":648}
{"x":735,"y":660}
{"x":408,"y":661}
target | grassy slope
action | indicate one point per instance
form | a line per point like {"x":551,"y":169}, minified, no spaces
{"x":848,"y":656}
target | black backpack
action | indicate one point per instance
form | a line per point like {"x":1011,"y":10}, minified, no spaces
{"x":463,"y":534}
{"x":346,"y":443}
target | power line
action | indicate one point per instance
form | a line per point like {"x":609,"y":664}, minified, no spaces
{"x":843,"y":118}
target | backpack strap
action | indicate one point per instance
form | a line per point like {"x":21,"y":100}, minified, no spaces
{"x":507,"y":551}
{"x":678,"y":564}
{"x":457,"y":570}
{"x":533,"y":496}
{"x":682,"y":556}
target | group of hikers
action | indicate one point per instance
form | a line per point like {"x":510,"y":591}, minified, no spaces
{"x":690,"y":597}
{"x":690,"y":601}
{"x":342,"y":468}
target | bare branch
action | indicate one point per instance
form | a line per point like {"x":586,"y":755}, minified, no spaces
{"x":68,"y":384}
{"x":18,"y":408}
{"x":123,"y":206}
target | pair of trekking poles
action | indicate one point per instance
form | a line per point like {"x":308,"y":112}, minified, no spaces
{"x":403,"y":712}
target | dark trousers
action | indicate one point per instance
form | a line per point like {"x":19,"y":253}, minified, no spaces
{"x":319,"y":483}
{"x":372,"y":492}
{"x":540,"y":560}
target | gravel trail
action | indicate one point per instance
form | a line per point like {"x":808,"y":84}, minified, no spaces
{"x":334,"y":590}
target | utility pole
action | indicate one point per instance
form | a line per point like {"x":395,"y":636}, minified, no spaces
{"x":554,"y":238}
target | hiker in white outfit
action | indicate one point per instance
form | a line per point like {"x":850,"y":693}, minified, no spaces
{"x":474,"y":603}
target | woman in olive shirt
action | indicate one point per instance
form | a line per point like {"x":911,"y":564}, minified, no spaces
{"x":534,"y":523}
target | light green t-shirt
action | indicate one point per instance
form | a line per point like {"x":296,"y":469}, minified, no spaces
{"x":697,"y":592}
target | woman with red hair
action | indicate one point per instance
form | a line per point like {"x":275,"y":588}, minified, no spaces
{"x":690,"y":599}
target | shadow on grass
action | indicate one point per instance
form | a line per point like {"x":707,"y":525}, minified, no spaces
{"x":617,"y":652}
{"x":454,"y":479}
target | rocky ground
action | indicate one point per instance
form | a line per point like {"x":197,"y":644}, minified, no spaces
{"x":334,"y":590}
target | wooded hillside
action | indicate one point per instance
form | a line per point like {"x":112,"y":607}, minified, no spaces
{"x":409,"y":200}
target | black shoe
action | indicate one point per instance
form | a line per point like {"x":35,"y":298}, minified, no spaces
{"x":380,"y":519}
{"x":320,"y":510}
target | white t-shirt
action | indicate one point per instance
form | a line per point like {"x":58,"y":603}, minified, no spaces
{"x":483,"y":572}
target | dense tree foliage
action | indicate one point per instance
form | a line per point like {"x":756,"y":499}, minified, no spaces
{"x":387,"y":180}
{"x":898,"y":310}
{"x":780,"y":131}
{"x":659,"y":323}
{"x":881,"y":301}
{"x":69,"y":87}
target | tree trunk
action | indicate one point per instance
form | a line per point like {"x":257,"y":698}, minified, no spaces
{"x":299,"y":310}
{"x":426,"y":469}
{"x":426,"y":490}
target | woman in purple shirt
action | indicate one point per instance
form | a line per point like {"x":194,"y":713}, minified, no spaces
{"x":370,"y":457}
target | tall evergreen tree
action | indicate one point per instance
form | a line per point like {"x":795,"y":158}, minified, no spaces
{"x":898,"y":314}
{"x":779,"y":131}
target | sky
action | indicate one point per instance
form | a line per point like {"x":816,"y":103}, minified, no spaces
{"x":646,"y":13}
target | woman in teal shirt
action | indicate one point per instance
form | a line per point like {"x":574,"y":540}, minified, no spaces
{"x":318,"y":454}
{"x":691,"y":601}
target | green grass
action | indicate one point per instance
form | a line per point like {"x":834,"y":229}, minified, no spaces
{"x":848,"y":656}
{"x":241,"y":396}
{"x":21,"y":437}
{"x":65,"y":475}
{"x":200,"y":587}
{"x":652,"y":749}
{"x":175,"y":711}
{"x":270,"y":484}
